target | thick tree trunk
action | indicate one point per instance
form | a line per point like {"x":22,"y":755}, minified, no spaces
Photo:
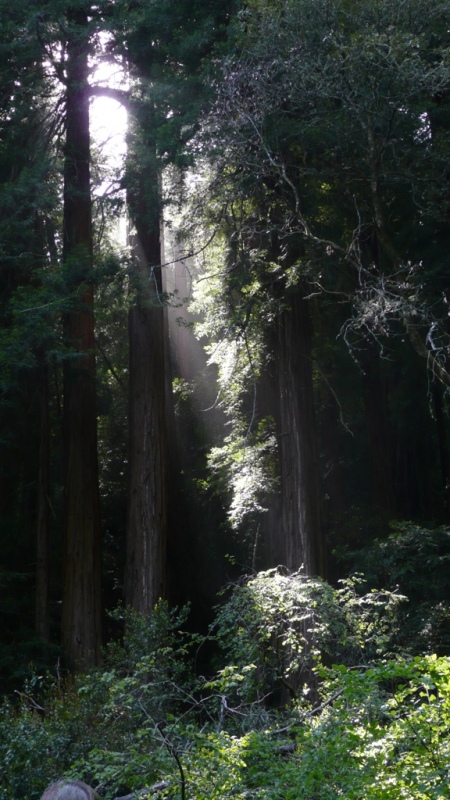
{"x":298,"y":442}
{"x":145,"y":579}
{"x":145,"y":571}
{"x":81,"y":616}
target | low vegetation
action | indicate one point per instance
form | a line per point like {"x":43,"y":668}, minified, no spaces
{"x":311,"y":692}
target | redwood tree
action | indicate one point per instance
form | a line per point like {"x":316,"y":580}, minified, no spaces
{"x":145,"y":571}
{"x":81,"y":620}
{"x":301,"y":534}
{"x":320,"y":116}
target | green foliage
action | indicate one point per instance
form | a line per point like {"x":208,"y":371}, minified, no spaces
{"x":375,"y":726}
{"x":42,"y":735}
{"x":416,"y":560}
{"x":154,"y":652}
{"x":113,"y":727}
{"x":378,"y":733}
{"x":246,"y":464}
{"x":147,"y":683}
{"x":233,"y":303}
{"x":322,"y":167}
{"x":277,"y":627}
{"x":392,"y":724}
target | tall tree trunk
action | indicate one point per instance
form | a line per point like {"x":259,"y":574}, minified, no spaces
{"x":81,"y":615}
{"x":146,"y":550}
{"x":298,"y":442}
{"x":42,"y":625}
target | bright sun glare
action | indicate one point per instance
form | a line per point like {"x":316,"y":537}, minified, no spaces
{"x":108,"y":120}
{"x":108,"y":126}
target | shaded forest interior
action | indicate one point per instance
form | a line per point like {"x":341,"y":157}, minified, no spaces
{"x":259,"y":376}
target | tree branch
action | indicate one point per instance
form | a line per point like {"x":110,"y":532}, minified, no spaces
{"x":157,"y":787}
{"x":122,"y":96}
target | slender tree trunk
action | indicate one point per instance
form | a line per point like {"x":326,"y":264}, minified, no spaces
{"x":298,"y":442}
{"x":146,"y":549}
{"x":42,"y":625}
{"x":81,"y":616}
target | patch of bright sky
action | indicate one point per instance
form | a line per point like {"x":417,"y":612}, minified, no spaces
{"x":108,"y":125}
{"x":109,"y":117}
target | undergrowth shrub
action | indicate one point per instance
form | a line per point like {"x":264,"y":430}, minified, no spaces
{"x":364,"y":722}
{"x":277,"y":626}
{"x":416,"y":560}
{"x":111,"y":728}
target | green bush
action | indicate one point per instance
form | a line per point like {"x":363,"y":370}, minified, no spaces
{"x":111,"y":728}
{"x":416,"y":560}
{"x":376,"y":734}
{"x":276,"y":627}
{"x":364,"y":722}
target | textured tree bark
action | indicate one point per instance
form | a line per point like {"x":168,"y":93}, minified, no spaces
{"x":81,"y":614}
{"x":301,"y":525}
{"x":146,"y":549}
{"x":146,"y":523}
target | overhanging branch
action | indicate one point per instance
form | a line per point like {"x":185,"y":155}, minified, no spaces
{"x":122,"y":96}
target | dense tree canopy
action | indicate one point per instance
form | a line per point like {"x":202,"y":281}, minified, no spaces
{"x":252,"y":389}
{"x":325,"y":175}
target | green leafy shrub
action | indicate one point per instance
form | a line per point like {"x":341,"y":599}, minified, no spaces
{"x":416,"y":560}
{"x":392,"y":720}
{"x":112,"y":728}
{"x":365,"y":723}
{"x":376,"y":734}
{"x":43,"y":734}
{"x":146,"y":686}
{"x":276,"y":627}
